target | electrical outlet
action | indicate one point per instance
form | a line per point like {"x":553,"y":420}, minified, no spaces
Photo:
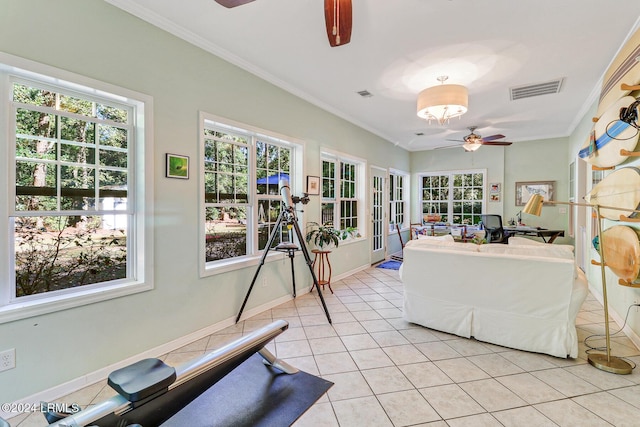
{"x":7,"y":359}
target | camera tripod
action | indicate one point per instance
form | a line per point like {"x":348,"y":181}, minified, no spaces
{"x":288,"y":217}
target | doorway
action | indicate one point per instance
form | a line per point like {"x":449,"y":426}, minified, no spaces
{"x":378,"y":214}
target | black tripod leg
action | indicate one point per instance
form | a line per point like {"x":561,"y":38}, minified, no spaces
{"x":307,"y":258}
{"x":272,"y":237}
{"x":293,"y":273}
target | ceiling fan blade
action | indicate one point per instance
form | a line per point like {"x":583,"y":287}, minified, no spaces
{"x":496,"y":143}
{"x":337,"y":16}
{"x":232,"y":3}
{"x":492,"y":137}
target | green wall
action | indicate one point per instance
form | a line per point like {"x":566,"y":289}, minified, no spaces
{"x":96,"y":40}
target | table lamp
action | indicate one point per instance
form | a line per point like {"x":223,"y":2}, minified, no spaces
{"x":605,"y":362}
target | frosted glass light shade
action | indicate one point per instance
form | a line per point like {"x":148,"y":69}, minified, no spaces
{"x":442,"y":102}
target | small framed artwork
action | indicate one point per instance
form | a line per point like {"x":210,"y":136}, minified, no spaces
{"x":495,"y":188}
{"x":494,"y":197}
{"x":177,"y":166}
{"x":313,"y":185}
{"x":524,"y":191}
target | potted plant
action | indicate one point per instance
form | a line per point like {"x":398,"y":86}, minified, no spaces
{"x":323,"y":236}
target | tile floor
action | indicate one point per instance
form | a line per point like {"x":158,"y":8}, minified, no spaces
{"x":388,"y":372}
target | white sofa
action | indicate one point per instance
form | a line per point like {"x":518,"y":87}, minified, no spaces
{"x":524,"y":295}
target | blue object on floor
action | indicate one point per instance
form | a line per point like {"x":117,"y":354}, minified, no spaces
{"x":390,"y":265}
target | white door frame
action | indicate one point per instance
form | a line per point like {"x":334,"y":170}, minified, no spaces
{"x":378,"y":203}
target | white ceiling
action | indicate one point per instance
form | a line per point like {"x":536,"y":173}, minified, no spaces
{"x":399,"y":47}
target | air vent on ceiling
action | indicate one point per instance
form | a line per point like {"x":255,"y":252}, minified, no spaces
{"x":528,"y":91}
{"x":365,"y":93}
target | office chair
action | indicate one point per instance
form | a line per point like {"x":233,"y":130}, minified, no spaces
{"x":493,"y":226}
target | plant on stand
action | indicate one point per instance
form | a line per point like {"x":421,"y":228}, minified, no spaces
{"x":323,"y":236}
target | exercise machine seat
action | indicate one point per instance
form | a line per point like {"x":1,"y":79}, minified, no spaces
{"x":143,"y":379}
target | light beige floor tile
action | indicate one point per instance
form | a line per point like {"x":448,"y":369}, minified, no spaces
{"x":407,"y":408}
{"x":370,"y":314}
{"x":334,"y":363}
{"x":314,"y":320}
{"x":389,"y":338}
{"x":386,"y":380}
{"x":176,"y":359}
{"x":359,"y":412}
{"x":327,"y":345}
{"x":610,"y":408}
{"x":358,"y":306}
{"x":404,"y":354}
{"x":304,"y":363}
{"x":371,"y":358}
{"x":530,"y":388}
{"x":216,"y":341}
{"x":288,"y":349}
{"x":425,"y":374}
{"x":310,"y":311}
{"x":450,"y":401}
{"x":525,"y":416}
{"x":469,"y":347}
{"x":461,"y":370}
{"x":437,"y":350}
{"x":492,"y":395}
{"x":601,"y":379}
{"x":417,"y":334}
{"x":390,"y":313}
{"x":495,"y":365}
{"x":381,"y":305}
{"x":481,"y":420}
{"x":630,"y":395}
{"x":377,"y":325}
{"x":567,"y":413}
{"x":349,"y":328}
{"x":528,"y":361}
{"x":565,"y":382}
{"x":359,"y":342}
{"x":320,"y":331}
{"x":348,"y":385}
{"x":319,"y":415}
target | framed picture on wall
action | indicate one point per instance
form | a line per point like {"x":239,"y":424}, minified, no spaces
{"x":177,"y":166}
{"x":524,"y":191}
{"x":313,"y":185}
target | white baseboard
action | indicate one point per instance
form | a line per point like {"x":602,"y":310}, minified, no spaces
{"x":55,"y":393}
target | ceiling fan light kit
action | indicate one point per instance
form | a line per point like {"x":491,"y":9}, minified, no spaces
{"x":442,"y":103}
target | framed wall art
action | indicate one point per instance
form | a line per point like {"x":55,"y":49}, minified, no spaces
{"x":524,"y":191}
{"x":313,"y":185}
{"x":177,"y":166}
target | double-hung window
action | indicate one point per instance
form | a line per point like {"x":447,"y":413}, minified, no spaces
{"x":398,"y":200}
{"x":342,"y":193}
{"x":458,"y":197}
{"x":75,"y":219}
{"x":243,"y":171}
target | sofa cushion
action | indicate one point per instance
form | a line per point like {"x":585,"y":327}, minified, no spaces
{"x":443,"y":243}
{"x":522,"y":241}
{"x":444,"y":238}
{"x":547,"y":250}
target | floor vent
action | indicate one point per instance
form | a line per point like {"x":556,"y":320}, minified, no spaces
{"x":528,"y":91}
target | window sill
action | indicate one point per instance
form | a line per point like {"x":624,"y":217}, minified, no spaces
{"x":225,"y":266}
{"x":51,"y":303}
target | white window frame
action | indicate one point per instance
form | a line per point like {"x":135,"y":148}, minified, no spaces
{"x":140,"y":193}
{"x":394,"y":174}
{"x":253,"y":256}
{"x":450,"y":200}
{"x":360,"y":165}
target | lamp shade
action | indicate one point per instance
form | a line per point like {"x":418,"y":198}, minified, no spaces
{"x":534,"y":205}
{"x":443,"y":102}
{"x":470,"y":146}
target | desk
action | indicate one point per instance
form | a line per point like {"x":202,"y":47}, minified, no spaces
{"x":547,"y":235}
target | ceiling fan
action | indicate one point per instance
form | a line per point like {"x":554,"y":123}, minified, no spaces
{"x":473,"y":141}
{"x":337,"y":16}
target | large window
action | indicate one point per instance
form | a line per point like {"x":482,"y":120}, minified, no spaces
{"x":398,"y":200}
{"x":456,"y":197}
{"x":72,"y":213}
{"x":341,"y":192}
{"x":243,"y":172}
